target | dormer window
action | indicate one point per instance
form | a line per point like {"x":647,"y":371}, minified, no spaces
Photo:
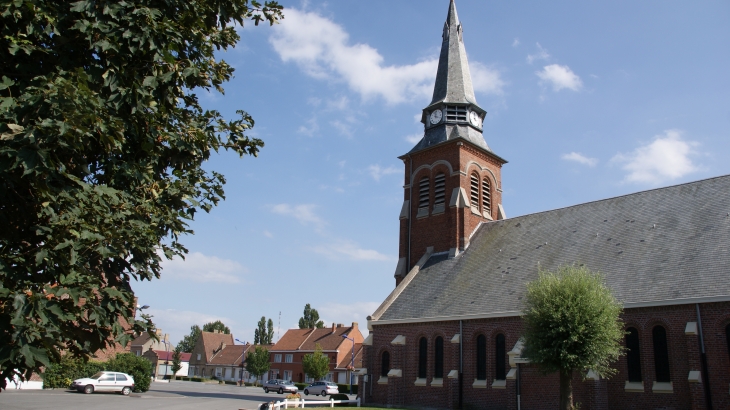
{"x":456,"y":113}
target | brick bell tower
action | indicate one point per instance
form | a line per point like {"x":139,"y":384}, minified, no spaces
{"x":452,"y":178}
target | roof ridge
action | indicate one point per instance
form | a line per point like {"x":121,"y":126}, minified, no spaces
{"x":311,"y":332}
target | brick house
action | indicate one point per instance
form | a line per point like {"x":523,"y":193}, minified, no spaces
{"x":142,"y":343}
{"x":448,"y":336}
{"x":207,"y":346}
{"x":228,"y":364}
{"x":286,"y":355}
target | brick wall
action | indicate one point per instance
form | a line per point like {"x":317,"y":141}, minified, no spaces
{"x":541,"y":391}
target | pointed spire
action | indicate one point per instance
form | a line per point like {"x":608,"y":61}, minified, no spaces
{"x":453,"y":79}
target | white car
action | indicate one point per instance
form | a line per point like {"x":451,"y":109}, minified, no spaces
{"x":105,"y":381}
{"x":323,"y":388}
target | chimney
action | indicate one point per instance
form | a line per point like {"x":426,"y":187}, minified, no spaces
{"x":333,"y":327}
{"x":354,"y":325}
{"x":340,"y":325}
{"x":216,"y":331}
{"x":158,"y":332}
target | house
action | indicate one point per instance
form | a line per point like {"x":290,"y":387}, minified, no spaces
{"x":449,"y":334}
{"x":162,"y":362}
{"x":286,"y":355}
{"x":207,"y":345}
{"x":145,"y":342}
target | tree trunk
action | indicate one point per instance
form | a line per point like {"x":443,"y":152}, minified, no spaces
{"x":566,"y":390}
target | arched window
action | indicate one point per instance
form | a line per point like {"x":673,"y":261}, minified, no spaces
{"x":481,"y":357}
{"x":633,"y":359}
{"x":727,"y":336}
{"x":422,"y":357}
{"x":499,"y":358}
{"x":475,"y":191}
{"x":385,"y":364}
{"x":423,"y":192}
{"x":486,"y":197}
{"x":661,"y":354}
{"x":438,"y":362}
{"x":439,"y":187}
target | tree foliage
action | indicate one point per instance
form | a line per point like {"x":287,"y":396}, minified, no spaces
{"x":310,"y":319}
{"x":187,"y":344}
{"x":176,"y":363}
{"x":102,"y":141}
{"x":257,"y":362}
{"x":316,"y":365}
{"x":264,"y":333}
{"x":572,"y":322}
{"x":62,"y":372}
{"x":217,"y":325}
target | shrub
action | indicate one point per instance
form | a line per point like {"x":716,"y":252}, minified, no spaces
{"x":341,"y":396}
{"x":68,"y":369}
{"x":136,"y":366}
{"x":345,"y":388}
{"x":301,"y":386}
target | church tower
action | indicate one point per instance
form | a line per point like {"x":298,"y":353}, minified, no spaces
{"x":452,"y":178}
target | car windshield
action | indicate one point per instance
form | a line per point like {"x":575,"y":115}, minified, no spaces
{"x":331,"y":384}
{"x":287,"y":382}
{"x":97,"y":375}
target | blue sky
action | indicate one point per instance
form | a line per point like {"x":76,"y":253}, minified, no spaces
{"x":586,"y":100}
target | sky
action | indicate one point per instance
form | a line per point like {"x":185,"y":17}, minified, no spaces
{"x":586,"y":100}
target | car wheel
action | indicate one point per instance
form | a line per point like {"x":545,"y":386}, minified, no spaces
{"x":126,"y":391}
{"x":306,"y":392}
{"x":324,"y":393}
{"x":266,"y":389}
{"x":89,"y":389}
{"x":281,"y":391}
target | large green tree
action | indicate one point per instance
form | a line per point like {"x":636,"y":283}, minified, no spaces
{"x":316,"y":365}
{"x":102,"y":145}
{"x":176,"y":363}
{"x":187,"y":344}
{"x":217,"y":325}
{"x":310,"y":319}
{"x":257,"y":362}
{"x":572,"y":323}
{"x":264,"y":333}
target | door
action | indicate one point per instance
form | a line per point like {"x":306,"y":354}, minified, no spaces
{"x":106,"y":382}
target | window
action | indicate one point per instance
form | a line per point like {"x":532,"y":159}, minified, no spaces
{"x":136,"y":352}
{"x":486,"y":197}
{"x":289,"y":358}
{"x":218,"y":372}
{"x":438,"y":362}
{"x":384,"y":364}
{"x":727,"y":336}
{"x":277,"y":358}
{"x":475,"y":191}
{"x":287,"y":374}
{"x":500,"y":370}
{"x":423,"y":192}
{"x":439,"y":187}
{"x":633,"y":359}
{"x":482,"y":357}
{"x":454,"y":113}
{"x":198,"y":356}
{"x":121,"y":378}
{"x":422,"y":357}
{"x":661,"y":354}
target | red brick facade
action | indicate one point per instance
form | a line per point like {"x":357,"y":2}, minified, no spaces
{"x":541,"y":392}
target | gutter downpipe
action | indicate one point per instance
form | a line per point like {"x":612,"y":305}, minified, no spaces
{"x":703,"y":356}
{"x":461,"y":363}
{"x":518,"y":386}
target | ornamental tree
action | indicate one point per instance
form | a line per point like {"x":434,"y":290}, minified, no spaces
{"x":310,"y":319}
{"x":257,"y":362}
{"x":102,"y":142}
{"x":572,"y":324}
{"x":316,"y":365}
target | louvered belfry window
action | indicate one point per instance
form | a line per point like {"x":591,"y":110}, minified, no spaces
{"x":438,"y":363}
{"x":486,"y":197}
{"x":633,"y":358}
{"x":422,"y":357}
{"x":454,"y":113}
{"x":661,"y":354}
{"x":474,"y":190}
{"x":423,"y":188}
{"x":439,"y":187}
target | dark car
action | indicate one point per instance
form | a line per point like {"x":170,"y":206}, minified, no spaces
{"x":280,"y":386}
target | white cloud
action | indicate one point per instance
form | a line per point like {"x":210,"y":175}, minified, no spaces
{"x":664,"y":159}
{"x":541,"y":54}
{"x":560,"y":76}
{"x":304,"y":213}
{"x":349,"y":250}
{"x":580,"y":158}
{"x":323,"y":50}
{"x":413,"y":138}
{"x":310,"y":129}
{"x":202,"y":268}
{"x":516,"y":42}
{"x":346,"y":313}
{"x":339,"y":104}
{"x":377,"y":172}
{"x":344,"y":128}
{"x":177,"y":323}
{"x":485,"y":79}
{"x":268,"y":234}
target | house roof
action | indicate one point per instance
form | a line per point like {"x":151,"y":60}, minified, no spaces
{"x":164,"y":355}
{"x":231,"y":355}
{"x":659,"y":247}
{"x":141,"y":339}
{"x":213,"y":341}
{"x":329,"y":338}
{"x":347,"y":359}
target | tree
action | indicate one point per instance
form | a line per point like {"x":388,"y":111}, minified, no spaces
{"x":176,"y":363}
{"x":188,"y":343}
{"x":572,"y":323}
{"x":217,"y":325}
{"x":102,"y":145}
{"x":270,"y":332}
{"x":316,"y":365}
{"x":257,"y":362}
{"x":264,"y":333}
{"x":310,"y":320}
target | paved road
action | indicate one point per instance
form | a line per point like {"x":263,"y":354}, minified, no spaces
{"x":177,"y":395}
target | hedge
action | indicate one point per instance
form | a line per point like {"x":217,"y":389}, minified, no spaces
{"x":345,"y":388}
{"x":68,"y":369}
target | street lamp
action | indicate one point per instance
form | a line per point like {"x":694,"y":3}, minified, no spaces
{"x":243,"y":359}
{"x":352,"y":361}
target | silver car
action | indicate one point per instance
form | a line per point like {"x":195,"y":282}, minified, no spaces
{"x":280,"y":386}
{"x":323,"y":388}
{"x":105,"y":381}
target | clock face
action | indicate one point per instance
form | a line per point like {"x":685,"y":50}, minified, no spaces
{"x":474,"y":118}
{"x":436,"y":117}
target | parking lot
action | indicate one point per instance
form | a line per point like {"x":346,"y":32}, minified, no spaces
{"x":177,"y":395}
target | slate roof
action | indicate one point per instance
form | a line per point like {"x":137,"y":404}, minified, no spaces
{"x":659,"y":247}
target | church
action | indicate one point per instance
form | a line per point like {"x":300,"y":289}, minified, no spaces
{"x":448,"y":336}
